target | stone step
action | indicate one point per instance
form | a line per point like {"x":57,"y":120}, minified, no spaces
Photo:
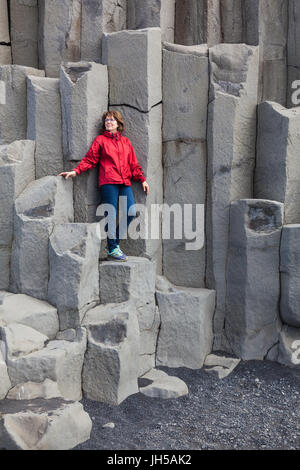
{"x":52,"y":424}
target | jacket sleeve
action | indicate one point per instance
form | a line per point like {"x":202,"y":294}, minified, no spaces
{"x":136,"y":169}
{"x":91,"y":158}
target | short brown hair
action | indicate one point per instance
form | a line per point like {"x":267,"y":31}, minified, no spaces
{"x":118,"y":117}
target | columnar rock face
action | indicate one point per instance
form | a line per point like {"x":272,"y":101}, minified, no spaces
{"x":153,"y":13}
{"x":135,"y":91}
{"x":277,"y":173}
{"x":74,"y":276}
{"x":134,"y":282}
{"x":28,"y":311}
{"x":44,"y":124}
{"x":253,"y":283}
{"x":86,"y":194}
{"x":184,"y":156}
{"x":60,"y":361}
{"x":16,"y":172}
{"x":134,"y":82}
{"x":266,"y":25}
{"x":290,"y":275}
{"x":44,"y":203}
{"x":13,"y":109}
{"x":231,"y":156}
{"x":4,"y":29}
{"x":59,"y":33}
{"x":293,"y":52}
{"x":43,"y":425}
{"x":99,"y":16}
{"x":231,"y":12}
{"x":24,"y":32}
{"x":5,"y":55}
{"x":84,"y":91}
{"x":198,"y":22}
{"x":111,"y":365}
{"x":185,"y":336}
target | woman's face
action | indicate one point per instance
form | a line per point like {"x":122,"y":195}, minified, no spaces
{"x":111,"y":124}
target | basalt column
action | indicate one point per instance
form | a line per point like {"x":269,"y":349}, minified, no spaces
{"x":231,"y":156}
{"x":135,"y":90}
{"x":184,"y":159}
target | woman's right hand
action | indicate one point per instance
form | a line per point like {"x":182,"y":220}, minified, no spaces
{"x":68,"y":174}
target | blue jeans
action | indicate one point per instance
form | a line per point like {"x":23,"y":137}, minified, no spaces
{"x":110,"y":195}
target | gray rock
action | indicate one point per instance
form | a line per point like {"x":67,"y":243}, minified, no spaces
{"x":84,"y":92}
{"x":220,"y":365}
{"x":185,"y":336}
{"x":32,"y":390}
{"x":60,"y":361}
{"x":144,"y":132}
{"x":184,"y":165}
{"x":4,"y":28}
{"x":232,"y":21}
{"x":109,"y":425}
{"x":111,"y":366}
{"x":24,"y":32}
{"x":184,"y":117}
{"x":59,"y":34}
{"x":200,"y":50}
{"x":43,"y":425}
{"x":146,"y":363}
{"x":277,"y":172}
{"x":43,"y":204}
{"x":153,"y":13}
{"x":266,"y":25}
{"x":163,"y":284}
{"x":44,"y":124}
{"x":74,"y":273}
{"x":5,"y":383}
{"x":135,"y":79}
{"x":37,"y":314}
{"x":13,"y":113}
{"x":198,"y":22}
{"x":20,"y":340}
{"x":289,"y":347}
{"x":132,"y":280}
{"x":163,"y":385}
{"x":231,"y":139}
{"x":253,"y":285}
{"x":86,"y":195}
{"x":16,"y":172}
{"x":5,"y":55}
{"x":67,"y":335}
{"x":293,"y":42}
{"x":100,"y":16}
{"x":290,"y":275}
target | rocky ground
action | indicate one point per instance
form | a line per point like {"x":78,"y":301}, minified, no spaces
{"x":256,"y":407}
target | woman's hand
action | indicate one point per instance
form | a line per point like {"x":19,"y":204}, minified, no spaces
{"x":146,"y":187}
{"x":68,"y":174}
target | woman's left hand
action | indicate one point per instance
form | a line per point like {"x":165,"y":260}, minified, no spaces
{"x":146,"y":187}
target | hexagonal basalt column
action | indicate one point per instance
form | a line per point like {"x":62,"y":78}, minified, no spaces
{"x":17,"y":170}
{"x":44,"y":203}
{"x":74,"y":275}
{"x":253,"y":285}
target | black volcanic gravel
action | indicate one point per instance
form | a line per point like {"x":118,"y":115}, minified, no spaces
{"x":256,"y":407}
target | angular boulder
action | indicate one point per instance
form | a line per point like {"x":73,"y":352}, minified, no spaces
{"x":162,"y":385}
{"x":185,"y":335}
{"x":5,"y":383}
{"x":43,"y":424}
{"x":111,"y":363}
{"x":74,"y":272}
{"x":252,"y":321}
{"x":289,"y":347}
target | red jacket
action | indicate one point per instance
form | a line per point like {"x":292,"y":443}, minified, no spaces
{"x":118,"y":162}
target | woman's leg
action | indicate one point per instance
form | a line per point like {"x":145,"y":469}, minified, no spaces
{"x":128,"y":211}
{"x":110,"y":195}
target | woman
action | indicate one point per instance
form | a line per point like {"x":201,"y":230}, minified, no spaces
{"x":118,"y":164}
